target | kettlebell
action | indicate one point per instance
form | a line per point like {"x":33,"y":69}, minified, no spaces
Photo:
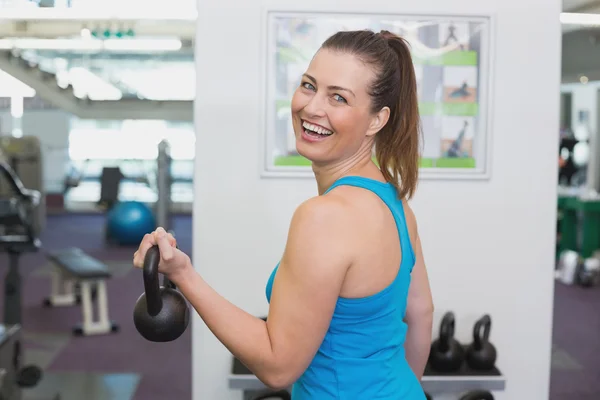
{"x":478,"y":395}
{"x":481,"y":354}
{"x":272,"y":395}
{"x":161,"y":313}
{"x":446,"y":354}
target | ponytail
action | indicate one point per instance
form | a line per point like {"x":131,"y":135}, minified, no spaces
{"x":397,"y":144}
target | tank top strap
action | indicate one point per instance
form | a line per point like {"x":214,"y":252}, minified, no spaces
{"x":387,"y":193}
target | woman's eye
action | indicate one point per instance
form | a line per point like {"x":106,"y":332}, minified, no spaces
{"x":339,"y":98}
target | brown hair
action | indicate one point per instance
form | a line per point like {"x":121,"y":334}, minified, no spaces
{"x":395,"y":86}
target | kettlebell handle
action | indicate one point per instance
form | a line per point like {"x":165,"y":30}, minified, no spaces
{"x":446,"y":330}
{"x":479,"y":338}
{"x":151,"y":283}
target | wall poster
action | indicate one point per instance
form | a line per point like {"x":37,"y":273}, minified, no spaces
{"x":452,"y":65}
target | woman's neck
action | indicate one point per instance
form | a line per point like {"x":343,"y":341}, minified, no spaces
{"x":326,"y":175}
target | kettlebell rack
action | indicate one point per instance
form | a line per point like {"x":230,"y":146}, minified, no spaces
{"x":464,"y":380}
{"x":460,"y":368}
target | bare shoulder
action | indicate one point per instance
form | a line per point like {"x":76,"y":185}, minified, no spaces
{"x":323,"y":213}
{"x":319,"y":234}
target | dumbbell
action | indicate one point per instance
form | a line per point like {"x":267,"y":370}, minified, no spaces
{"x":269,"y":394}
{"x":473,"y":395}
{"x":478,"y":395}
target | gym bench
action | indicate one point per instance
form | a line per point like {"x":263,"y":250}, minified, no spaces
{"x":73,"y":267}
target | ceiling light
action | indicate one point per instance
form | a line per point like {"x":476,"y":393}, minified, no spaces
{"x":112,"y":45}
{"x":100,"y":14}
{"x":580,"y":19}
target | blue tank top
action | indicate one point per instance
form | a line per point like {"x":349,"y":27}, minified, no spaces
{"x":362,"y":355}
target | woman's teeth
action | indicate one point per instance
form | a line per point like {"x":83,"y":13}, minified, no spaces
{"x":316,"y":129}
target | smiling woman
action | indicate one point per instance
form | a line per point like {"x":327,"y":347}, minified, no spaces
{"x":350,"y":308}
{"x":356,"y":99}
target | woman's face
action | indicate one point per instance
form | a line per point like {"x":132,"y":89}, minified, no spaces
{"x":331,"y":111}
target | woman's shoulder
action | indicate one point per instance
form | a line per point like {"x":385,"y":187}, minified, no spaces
{"x":325,"y":208}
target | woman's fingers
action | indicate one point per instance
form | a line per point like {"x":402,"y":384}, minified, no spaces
{"x":165,"y":246}
{"x":147,"y":242}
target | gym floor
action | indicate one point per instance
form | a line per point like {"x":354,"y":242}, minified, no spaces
{"x":123,"y":366}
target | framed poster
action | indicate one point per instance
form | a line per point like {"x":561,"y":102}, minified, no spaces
{"x":452,"y":60}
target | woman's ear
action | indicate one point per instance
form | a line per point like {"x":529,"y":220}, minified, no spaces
{"x":378,"y":121}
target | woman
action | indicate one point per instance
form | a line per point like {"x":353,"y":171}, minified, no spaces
{"x":350,"y":306}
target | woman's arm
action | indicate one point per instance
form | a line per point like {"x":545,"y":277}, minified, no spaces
{"x":419,"y":315}
{"x":305,"y":291}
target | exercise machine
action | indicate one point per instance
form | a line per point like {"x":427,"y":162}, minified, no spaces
{"x":24,"y":156}
{"x":17,"y":237}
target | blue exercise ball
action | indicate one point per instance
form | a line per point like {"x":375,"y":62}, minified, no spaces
{"x":129,"y":221}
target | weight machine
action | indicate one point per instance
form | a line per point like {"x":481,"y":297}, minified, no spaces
{"x":17,"y":237}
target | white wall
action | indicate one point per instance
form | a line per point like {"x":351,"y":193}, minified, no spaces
{"x":489,"y":245}
{"x":52,"y":128}
{"x":585,"y":98}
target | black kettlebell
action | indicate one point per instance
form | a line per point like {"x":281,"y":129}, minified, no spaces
{"x":161,"y":313}
{"x":481,"y":354}
{"x":271,"y":395}
{"x":478,"y":395}
{"x":446,"y":354}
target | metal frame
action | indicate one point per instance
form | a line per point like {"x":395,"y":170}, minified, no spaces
{"x":431,"y":384}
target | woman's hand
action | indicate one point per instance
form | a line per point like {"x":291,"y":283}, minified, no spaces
{"x":172,"y":260}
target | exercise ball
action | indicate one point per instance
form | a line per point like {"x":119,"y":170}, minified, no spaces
{"x":129,"y":221}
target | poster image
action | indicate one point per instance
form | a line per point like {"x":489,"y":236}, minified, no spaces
{"x":451,"y":57}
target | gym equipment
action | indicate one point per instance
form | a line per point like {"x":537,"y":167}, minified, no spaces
{"x":161,"y":314}
{"x":17,"y":236}
{"x":129,"y":221}
{"x":269,"y":394}
{"x":428,"y":396}
{"x":163,"y":186}
{"x":127,"y":231}
{"x":588,"y":272}
{"x":478,"y":395}
{"x":446,"y":354}
{"x":73,"y":267}
{"x":110,"y":184}
{"x":13,"y":376}
{"x":24,"y":156}
{"x":579,"y":222}
{"x":566,"y":271}
{"x":481,"y":354}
